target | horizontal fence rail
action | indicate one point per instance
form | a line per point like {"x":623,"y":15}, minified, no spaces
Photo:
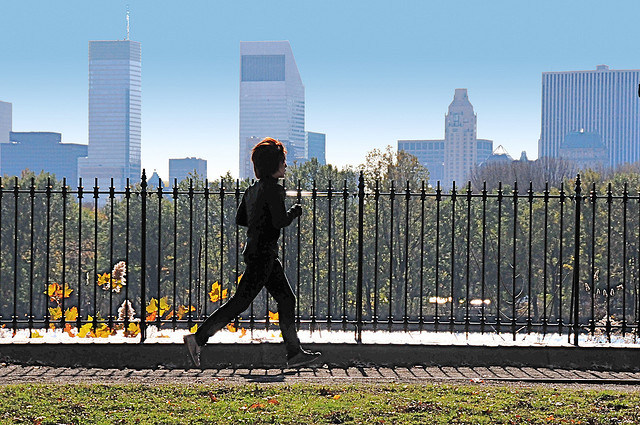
{"x":362,"y":256}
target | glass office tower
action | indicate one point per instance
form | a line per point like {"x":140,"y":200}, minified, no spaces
{"x":603,"y":101}
{"x":114,"y":113}
{"x":271,"y":100}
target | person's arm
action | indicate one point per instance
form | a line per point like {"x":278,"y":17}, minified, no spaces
{"x":241,"y":214}
{"x":280,"y":217}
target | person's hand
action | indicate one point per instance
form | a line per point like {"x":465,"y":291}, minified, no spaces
{"x":296,"y":210}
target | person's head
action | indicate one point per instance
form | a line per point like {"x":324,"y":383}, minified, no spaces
{"x":269,"y":158}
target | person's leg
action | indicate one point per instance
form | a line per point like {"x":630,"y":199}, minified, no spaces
{"x":279,"y":288}
{"x":254,"y":278}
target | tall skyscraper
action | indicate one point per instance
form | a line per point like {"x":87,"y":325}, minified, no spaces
{"x":183,"y":168}
{"x":460,"y":145}
{"x":315,"y":147}
{"x":6,"y":120}
{"x":603,"y":101}
{"x":41,"y":151}
{"x":114,"y":113}
{"x":271,"y":100}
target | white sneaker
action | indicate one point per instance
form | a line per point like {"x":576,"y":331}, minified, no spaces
{"x":193,"y":348}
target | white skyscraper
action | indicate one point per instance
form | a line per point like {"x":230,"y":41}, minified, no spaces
{"x":271,"y":100}
{"x":114,"y":113}
{"x":460,"y":145}
{"x":5,"y":121}
{"x":604,"y":102}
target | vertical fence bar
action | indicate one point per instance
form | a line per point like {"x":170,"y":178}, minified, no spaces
{"x":405,"y":316}
{"x":111,"y":202}
{"x":453,"y":257}
{"x":360,"y":277}
{"x":392,"y":197}
{"x":329,"y":264}
{"x":206,"y":244}
{"x":423,"y":196}
{"x":625,"y":198}
{"x":560,"y":261}
{"x":221,"y":281}
{"x":80,"y":195}
{"x":592,"y":276}
{"x":32,"y":195}
{"x":545,"y":319}
{"x":175,"y":247}
{"x":436,"y":318}
{"x":190,"y":263}
{"x":576,"y":263}
{"x":484,"y":256}
{"x":514,"y":256}
{"x":143,"y":255}
{"x":498,"y":268}
{"x":314,"y":294}
{"x":530,"y":259}
{"x":468,"y":259}
{"x":237,"y":246}
{"x":48,"y":257}
{"x":96,"y":195}
{"x":345,"y":196}
{"x":298,"y":252}
{"x":14,"y":316}
{"x":64,"y":244}
{"x":376,"y":197}
{"x":127,"y":199}
{"x":159,"y":264}
{"x":608,"y":294}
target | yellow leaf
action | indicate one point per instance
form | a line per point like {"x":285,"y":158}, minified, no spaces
{"x":239,"y":277}
{"x":243,"y":332}
{"x":153,"y":306}
{"x":231,"y":328}
{"x":273,"y":317}
{"x":214,"y":294}
{"x":55,"y":313}
{"x":103,"y":331}
{"x":54,"y":291}
{"x":71,"y":314}
{"x":133,"y":330}
{"x":35,"y":334}
{"x":85,"y":330}
{"x":337,"y":396}
{"x":224,"y":294}
{"x":194,"y":328}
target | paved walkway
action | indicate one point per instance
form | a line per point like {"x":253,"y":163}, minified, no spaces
{"x":628,"y":381}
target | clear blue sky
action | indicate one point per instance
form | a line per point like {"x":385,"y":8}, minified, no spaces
{"x":374,"y":71}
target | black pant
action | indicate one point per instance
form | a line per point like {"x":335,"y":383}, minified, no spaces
{"x":264,"y":271}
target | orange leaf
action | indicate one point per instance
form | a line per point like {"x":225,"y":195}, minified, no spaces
{"x":337,"y":396}
{"x":243,"y":332}
{"x":71,"y":314}
{"x":273,"y":401}
{"x":212,"y":397}
{"x":231,"y":328}
{"x":214,"y":294}
{"x":67,"y":329}
{"x":257,"y":406}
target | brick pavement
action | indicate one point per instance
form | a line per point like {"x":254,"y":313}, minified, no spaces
{"x":21,"y":374}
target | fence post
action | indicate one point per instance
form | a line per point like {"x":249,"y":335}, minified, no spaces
{"x":360,"y":257}
{"x":143,"y":256}
{"x":576,"y":263}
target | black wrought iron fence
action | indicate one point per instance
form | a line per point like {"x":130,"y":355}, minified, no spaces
{"x":95,"y":261}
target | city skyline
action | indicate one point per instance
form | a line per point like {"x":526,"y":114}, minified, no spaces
{"x":386,"y":76}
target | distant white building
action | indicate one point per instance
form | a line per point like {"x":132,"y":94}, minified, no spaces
{"x":114,"y":113}
{"x":271,"y":100}
{"x":6,"y":120}
{"x":453,"y":157}
{"x":601,"y":101}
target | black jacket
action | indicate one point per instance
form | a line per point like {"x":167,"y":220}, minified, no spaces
{"x":263,"y":212}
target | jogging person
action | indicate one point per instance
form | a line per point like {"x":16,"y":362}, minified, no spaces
{"x":262,"y":211}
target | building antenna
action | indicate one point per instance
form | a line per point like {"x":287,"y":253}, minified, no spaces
{"x":127,"y":23}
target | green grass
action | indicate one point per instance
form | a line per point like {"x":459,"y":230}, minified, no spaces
{"x":311,"y":404}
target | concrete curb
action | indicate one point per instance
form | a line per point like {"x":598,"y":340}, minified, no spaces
{"x":270,"y":355}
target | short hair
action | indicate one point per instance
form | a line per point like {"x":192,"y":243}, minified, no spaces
{"x":267,"y":156}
